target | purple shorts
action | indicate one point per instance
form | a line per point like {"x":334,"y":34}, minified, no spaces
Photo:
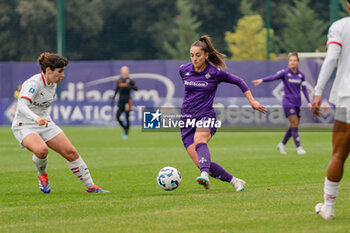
{"x":291,"y":110}
{"x":187,"y":135}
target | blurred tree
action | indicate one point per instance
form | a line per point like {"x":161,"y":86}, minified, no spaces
{"x":84,"y":23}
{"x":185,"y":32}
{"x":36,"y":27}
{"x":248,"y":42}
{"x":247,"y":7}
{"x":9,"y":26}
{"x":303,"y":30}
{"x":343,"y":9}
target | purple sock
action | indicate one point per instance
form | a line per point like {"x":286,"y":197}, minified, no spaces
{"x":219,"y":172}
{"x":287,"y":135}
{"x":295,"y":135}
{"x":203,"y":157}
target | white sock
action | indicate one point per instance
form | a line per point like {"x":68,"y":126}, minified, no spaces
{"x":233,"y":180}
{"x":40,"y":165}
{"x":79,"y":168}
{"x":330,"y":193}
{"x":205,"y":175}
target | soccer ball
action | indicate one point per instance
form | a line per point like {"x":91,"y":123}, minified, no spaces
{"x":169,"y":178}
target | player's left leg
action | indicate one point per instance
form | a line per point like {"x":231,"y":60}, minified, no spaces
{"x":215,"y":170}
{"x":127,"y":126}
{"x":62,"y":145}
{"x":294,"y":124}
{"x":341,"y":149}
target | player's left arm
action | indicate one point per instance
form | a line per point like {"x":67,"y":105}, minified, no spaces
{"x":306,"y":93}
{"x":224,"y":76}
{"x":133,"y":85}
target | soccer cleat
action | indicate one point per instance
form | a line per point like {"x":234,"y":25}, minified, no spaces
{"x":96,"y":189}
{"x":44,"y":183}
{"x":301,"y":151}
{"x":281,"y":148}
{"x":125,"y":135}
{"x":320,"y":209}
{"x":204,"y":181}
{"x":238,"y":184}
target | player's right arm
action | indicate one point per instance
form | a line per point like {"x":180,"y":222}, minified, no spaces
{"x":278,"y":75}
{"x":28,"y":92}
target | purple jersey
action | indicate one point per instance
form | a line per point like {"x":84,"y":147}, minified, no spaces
{"x":293,"y":83}
{"x":200,"y":88}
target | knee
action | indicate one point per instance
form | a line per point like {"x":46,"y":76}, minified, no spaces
{"x":41,"y":152}
{"x":338,"y":157}
{"x":71,"y":154}
{"x":203,"y":138}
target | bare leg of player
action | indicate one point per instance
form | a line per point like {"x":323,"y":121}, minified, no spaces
{"x":341,"y":148}
{"x":62,"y":145}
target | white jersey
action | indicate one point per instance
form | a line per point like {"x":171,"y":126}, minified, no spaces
{"x":339,"y":33}
{"x":40,"y":95}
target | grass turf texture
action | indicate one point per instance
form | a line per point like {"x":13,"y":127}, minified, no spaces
{"x":280,"y":195}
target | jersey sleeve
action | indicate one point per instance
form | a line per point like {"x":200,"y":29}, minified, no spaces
{"x":224,"y":76}
{"x":278,"y":75}
{"x":24,"y":109}
{"x":334,"y":35}
{"x":29,"y":90}
{"x":181,"y":70}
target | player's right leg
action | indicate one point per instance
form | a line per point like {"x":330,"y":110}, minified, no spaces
{"x":341,"y":148}
{"x":62,"y":145}
{"x":35,"y":144}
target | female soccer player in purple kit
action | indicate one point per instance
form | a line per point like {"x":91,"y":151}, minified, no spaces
{"x":201,"y":78}
{"x":293,"y":80}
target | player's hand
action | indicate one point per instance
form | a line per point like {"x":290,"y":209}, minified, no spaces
{"x":309,"y":106}
{"x":257,"y":82}
{"x":257,"y":106}
{"x":316,"y":106}
{"x":42,"y":121}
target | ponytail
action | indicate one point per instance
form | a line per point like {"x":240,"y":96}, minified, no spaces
{"x":215,"y":57}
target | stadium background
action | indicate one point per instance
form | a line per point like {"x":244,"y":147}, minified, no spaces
{"x":98,"y":37}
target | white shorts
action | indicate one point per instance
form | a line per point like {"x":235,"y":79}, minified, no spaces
{"x":342,"y":112}
{"x":46,"y":133}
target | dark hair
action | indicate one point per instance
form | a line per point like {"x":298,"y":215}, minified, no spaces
{"x":348,"y":1}
{"x":295,"y":54}
{"x":51,"y":60}
{"x":206,"y":45}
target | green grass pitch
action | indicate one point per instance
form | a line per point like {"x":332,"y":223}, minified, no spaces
{"x":280,"y":195}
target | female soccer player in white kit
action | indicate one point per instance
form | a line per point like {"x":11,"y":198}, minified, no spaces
{"x":34,"y":129}
{"x":338,"y":53}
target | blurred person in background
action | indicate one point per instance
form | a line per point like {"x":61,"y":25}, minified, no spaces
{"x":124,"y":86}
{"x":294,"y":81}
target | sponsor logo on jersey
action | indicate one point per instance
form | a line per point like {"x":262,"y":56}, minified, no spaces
{"x":289,"y":75}
{"x":31,"y":90}
{"x":300,"y":76}
{"x":196,"y":84}
{"x":294,"y":80}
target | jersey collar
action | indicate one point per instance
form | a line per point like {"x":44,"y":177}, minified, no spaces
{"x":44,"y":79}
{"x":291,"y":71}
{"x":203,"y":71}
